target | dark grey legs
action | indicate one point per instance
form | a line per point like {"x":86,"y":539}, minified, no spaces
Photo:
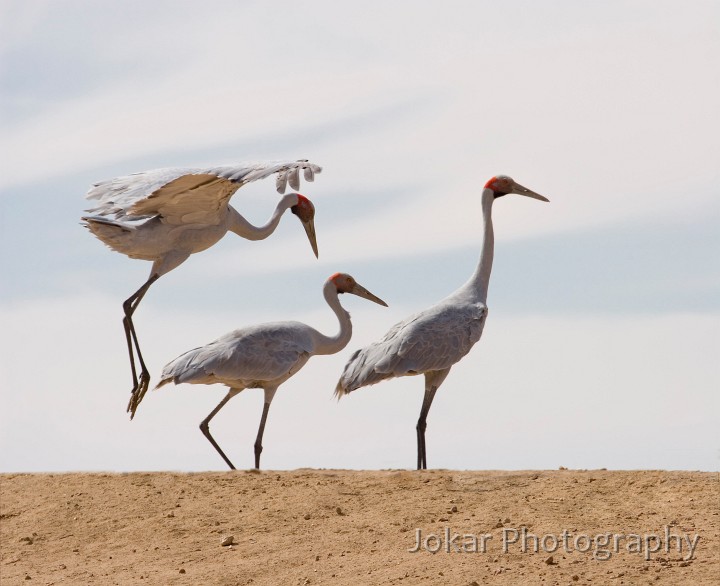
{"x":140,"y":385}
{"x":422,"y":426}
{"x":205,"y":426}
{"x":261,"y":430}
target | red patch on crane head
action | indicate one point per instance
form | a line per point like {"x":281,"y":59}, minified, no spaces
{"x":500,"y":184}
{"x":304,"y":209}
{"x":343,"y":282}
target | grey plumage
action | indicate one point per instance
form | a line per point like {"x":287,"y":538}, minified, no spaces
{"x":245,"y":358}
{"x":166,"y":215}
{"x":263,"y":356}
{"x":430,"y":340}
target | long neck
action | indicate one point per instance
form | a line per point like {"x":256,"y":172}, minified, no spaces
{"x":333,"y":344}
{"x":241,"y":227}
{"x":480,"y":280}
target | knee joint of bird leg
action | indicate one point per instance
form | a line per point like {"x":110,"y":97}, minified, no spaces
{"x":204,"y":427}
{"x":258,"y":448}
{"x":127,"y":307}
{"x":421,"y":425}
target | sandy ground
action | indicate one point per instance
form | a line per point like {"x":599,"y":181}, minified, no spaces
{"x":355,"y":527}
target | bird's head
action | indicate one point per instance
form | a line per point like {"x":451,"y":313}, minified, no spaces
{"x":503,"y":185}
{"x":345,"y":283}
{"x":305,"y":211}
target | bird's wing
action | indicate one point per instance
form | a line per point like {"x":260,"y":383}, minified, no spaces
{"x":183,"y":196}
{"x":431,"y":340}
{"x":257,"y":353}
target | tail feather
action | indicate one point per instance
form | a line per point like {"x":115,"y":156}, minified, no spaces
{"x":163,"y":382}
{"x":360,"y":371}
{"x":340,"y":390}
{"x":112,"y":234}
{"x":97,"y":223}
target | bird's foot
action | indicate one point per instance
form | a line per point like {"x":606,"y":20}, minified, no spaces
{"x":138,"y":392}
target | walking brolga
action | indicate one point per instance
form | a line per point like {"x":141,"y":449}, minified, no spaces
{"x":263,"y":356}
{"x":432,"y":341}
{"x":165,"y":215}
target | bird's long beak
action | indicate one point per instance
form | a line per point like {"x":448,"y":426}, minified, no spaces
{"x":310,"y":231}
{"x":361,"y":291}
{"x":520,"y":190}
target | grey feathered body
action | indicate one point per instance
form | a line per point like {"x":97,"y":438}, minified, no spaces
{"x":430,"y":340}
{"x":246,"y":358}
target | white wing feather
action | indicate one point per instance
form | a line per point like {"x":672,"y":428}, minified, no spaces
{"x":187,"y":195}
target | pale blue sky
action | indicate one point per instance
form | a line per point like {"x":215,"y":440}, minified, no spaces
{"x":604,"y":329}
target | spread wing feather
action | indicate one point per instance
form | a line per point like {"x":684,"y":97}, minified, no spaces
{"x":431,"y":340}
{"x":188,"y":195}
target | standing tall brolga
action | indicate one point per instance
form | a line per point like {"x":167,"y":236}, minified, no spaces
{"x":165,"y":215}
{"x":432,"y":341}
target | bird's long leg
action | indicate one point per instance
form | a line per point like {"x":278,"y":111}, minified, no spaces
{"x":205,"y":425}
{"x":140,"y":385}
{"x":258,"y":439}
{"x":128,"y":338}
{"x":422,"y":425}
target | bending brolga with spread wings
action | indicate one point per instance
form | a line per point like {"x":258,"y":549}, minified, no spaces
{"x":432,"y":341}
{"x":165,"y":215}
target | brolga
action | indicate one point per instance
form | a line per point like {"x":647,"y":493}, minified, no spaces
{"x":165,"y":215}
{"x":432,"y":341}
{"x":263,"y":356}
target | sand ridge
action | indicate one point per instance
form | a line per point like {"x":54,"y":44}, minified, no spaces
{"x":358,"y":527}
